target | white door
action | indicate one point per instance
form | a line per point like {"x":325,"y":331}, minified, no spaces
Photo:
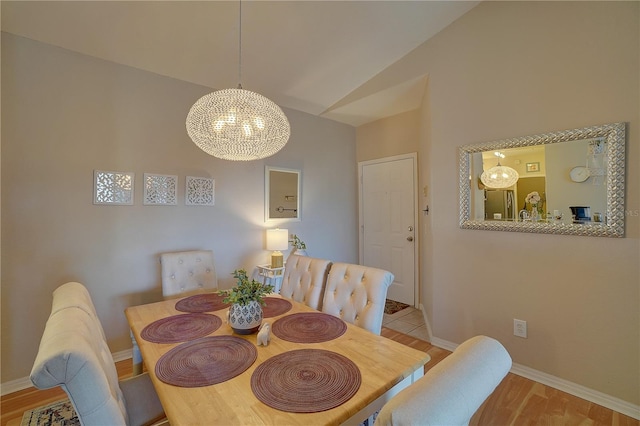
{"x":388,"y":219}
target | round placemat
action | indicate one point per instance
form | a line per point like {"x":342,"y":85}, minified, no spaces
{"x":309,"y":327}
{"x":206,"y":361}
{"x":180,"y":328}
{"x":202,"y":303}
{"x":306,"y":381}
{"x":275,"y":306}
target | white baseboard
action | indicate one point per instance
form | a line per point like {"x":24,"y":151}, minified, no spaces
{"x":615,"y":404}
{"x":25,"y":382}
{"x":15,"y":386}
{"x":122,"y":355}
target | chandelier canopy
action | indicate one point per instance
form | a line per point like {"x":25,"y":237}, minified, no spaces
{"x":237,"y":124}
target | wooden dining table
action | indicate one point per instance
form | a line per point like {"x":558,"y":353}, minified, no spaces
{"x":384,"y":367}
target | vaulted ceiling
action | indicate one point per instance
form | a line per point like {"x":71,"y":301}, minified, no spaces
{"x":306,"y":55}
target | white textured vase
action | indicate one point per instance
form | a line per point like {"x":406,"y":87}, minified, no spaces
{"x":245,"y":319}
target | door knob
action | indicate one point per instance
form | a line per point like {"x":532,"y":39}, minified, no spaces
{"x":409,"y":238}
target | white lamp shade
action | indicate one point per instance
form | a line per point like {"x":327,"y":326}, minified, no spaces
{"x":277,"y":239}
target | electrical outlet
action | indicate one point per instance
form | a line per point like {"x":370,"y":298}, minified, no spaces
{"x":520,"y":328}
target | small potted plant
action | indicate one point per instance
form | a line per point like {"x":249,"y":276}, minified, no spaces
{"x":299,"y":247}
{"x":246,"y":299}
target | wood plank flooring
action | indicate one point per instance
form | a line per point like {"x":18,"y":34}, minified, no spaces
{"x":13,"y":405}
{"x":516,"y":401}
{"x":520,"y":401}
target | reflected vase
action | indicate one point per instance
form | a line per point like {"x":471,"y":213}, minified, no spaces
{"x":534,"y":216}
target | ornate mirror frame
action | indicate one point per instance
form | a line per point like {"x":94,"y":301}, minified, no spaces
{"x":613,"y":134}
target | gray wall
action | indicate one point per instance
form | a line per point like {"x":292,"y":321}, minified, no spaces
{"x":510,"y":69}
{"x":64,"y":115}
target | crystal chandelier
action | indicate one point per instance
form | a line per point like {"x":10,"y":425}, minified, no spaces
{"x":499,"y":176}
{"x":237,"y":124}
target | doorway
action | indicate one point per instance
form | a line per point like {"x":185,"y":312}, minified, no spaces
{"x":388,"y":220}
{"x":527,"y":185}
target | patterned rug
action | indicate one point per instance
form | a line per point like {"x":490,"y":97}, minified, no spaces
{"x":60,"y":413}
{"x":391,"y":306}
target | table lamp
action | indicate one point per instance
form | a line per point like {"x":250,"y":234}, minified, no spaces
{"x":277,"y":239}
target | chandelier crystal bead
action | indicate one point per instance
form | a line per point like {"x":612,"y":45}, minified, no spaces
{"x":238,"y":125}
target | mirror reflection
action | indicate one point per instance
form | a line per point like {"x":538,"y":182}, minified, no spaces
{"x":282,"y":194}
{"x":566,"y":182}
{"x":545,"y":187}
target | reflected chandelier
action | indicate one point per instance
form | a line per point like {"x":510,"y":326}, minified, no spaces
{"x":237,"y":124}
{"x":499,"y":176}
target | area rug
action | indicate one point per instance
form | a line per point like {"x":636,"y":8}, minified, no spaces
{"x":60,"y":413}
{"x":391,"y":306}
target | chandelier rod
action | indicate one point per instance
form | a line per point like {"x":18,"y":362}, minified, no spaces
{"x":240,"y":46}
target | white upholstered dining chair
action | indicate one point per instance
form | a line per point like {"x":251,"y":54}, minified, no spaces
{"x":357,"y":294}
{"x":74,"y":355}
{"x":452,"y":391}
{"x":187,"y":272}
{"x":304,"y":280}
{"x":182,"y":273}
{"x":74,"y":294}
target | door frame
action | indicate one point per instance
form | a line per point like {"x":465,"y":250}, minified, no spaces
{"x":416,"y":235}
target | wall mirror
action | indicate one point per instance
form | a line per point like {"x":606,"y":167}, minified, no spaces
{"x":282,"y":194}
{"x":577,"y":174}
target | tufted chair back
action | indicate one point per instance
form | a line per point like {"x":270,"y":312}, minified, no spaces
{"x":74,"y":355}
{"x":188,"y":272}
{"x":304,"y":280}
{"x":357,"y":294}
{"x":452,"y":391}
{"x":73,"y":294}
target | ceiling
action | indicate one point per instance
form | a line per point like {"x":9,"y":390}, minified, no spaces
{"x":305,"y":55}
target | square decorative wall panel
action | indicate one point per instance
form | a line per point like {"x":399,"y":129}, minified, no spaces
{"x":160,"y":190}
{"x":200,"y":191}
{"x":113,"y":188}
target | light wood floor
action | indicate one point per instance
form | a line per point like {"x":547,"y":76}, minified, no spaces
{"x":516,"y":401}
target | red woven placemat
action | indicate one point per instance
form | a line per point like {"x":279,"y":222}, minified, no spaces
{"x":180,"y":328}
{"x":306,"y":381}
{"x":309,"y":327}
{"x":275,"y":306}
{"x":206,"y":361}
{"x":202,"y":303}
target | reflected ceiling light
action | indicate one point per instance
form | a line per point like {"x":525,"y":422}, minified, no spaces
{"x":499,"y":176}
{"x":237,"y":124}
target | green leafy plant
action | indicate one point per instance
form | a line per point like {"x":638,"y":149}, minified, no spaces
{"x":246,"y":290}
{"x":297,"y":242}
